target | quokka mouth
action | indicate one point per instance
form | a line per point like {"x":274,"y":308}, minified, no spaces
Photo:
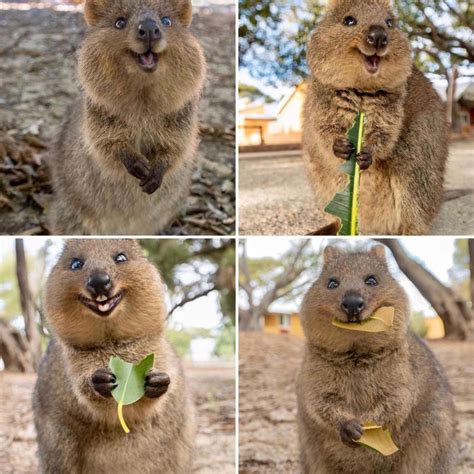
{"x":372,"y":63}
{"x":147,"y":61}
{"x":359,"y":319}
{"x":102,"y":306}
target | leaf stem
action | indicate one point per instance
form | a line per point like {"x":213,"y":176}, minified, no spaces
{"x":355,"y":193}
{"x":121,"y":418}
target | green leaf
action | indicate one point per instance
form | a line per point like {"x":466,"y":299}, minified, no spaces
{"x":130,"y":382}
{"x":345,"y":204}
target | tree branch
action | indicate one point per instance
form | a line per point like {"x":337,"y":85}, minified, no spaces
{"x":189,"y":298}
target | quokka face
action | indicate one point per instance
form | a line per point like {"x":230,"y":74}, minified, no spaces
{"x":350,"y":288}
{"x":359,"y":45}
{"x":146,"y":41}
{"x":103,"y":289}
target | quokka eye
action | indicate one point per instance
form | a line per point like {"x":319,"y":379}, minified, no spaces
{"x":76,"y":264}
{"x":120,"y":258}
{"x":389,"y":22}
{"x":371,"y":281}
{"x":166,"y":20}
{"x":349,"y":21}
{"x":120,"y":23}
{"x":333,"y":284}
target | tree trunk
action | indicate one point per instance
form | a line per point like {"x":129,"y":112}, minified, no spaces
{"x":14,"y":350}
{"x":27,"y":304}
{"x":452,"y":309}
{"x":249,"y":320}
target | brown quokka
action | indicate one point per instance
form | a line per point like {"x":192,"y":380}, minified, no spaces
{"x":360,"y":61}
{"x":350,"y":377}
{"x":105,"y":298}
{"x":126,"y":154}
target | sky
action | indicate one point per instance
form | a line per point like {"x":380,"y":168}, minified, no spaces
{"x":436,"y":253}
{"x":202,"y":313}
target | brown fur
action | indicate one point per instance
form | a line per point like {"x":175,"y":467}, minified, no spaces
{"x":78,"y":429}
{"x":405,"y":133}
{"x":391,"y":378}
{"x":129,"y":121}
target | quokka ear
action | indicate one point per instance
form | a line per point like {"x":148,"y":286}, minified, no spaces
{"x":185,"y":12}
{"x":378,"y":251}
{"x":331,"y":252}
{"x":94,"y":10}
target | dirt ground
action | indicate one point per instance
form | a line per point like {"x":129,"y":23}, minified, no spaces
{"x":275,"y":197}
{"x":214,"y":392}
{"x":38,"y":45}
{"x":267,"y":400}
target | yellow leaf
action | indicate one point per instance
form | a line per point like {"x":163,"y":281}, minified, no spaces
{"x":375,"y":437}
{"x":380,"y":321}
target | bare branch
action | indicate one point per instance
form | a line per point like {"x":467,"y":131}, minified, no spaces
{"x":189,"y":298}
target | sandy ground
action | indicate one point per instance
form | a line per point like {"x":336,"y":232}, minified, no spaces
{"x":38,"y":49}
{"x":276,"y":199}
{"x":214,"y":392}
{"x":267,"y":401}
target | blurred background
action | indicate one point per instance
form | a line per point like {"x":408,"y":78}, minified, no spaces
{"x":199,"y":275}
{"x":275,"y":197}
{"x":275,"y":273}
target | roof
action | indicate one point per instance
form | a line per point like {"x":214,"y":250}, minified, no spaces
{"x":283,"y":307}
{"x":288,"y":96}
{"x":271,"y":110}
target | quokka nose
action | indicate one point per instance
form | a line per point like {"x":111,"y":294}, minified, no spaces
{"x":99,"y":283}
{"x":148,"y":31}
{"x":377,"y":37}
{"x":352,"y":304}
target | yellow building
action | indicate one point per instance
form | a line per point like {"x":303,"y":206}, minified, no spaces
{"x":283,"y":323}
{"x":434,"y":328}
{"x":279,"y":123}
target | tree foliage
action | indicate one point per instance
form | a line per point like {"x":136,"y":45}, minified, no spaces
{"x":268,"y":279}
{"x":440,"y":31}
{"x":194,"y":268}
{"x":9,"y":296}
{"x":273,"y":35}
{"x":460,"y":271}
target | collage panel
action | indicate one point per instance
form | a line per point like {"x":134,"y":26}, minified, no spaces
{"x":133,"y":342}
{"x":357,"y":112}
{"x":117,"y":117}
{"x":355,"y":344}
{"x":237,"y":237}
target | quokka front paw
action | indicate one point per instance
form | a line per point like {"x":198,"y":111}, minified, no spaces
{"x":138,"y":166}
{"x":156,"y":383}
{"x":103,"y":382}
{"x":364,"y":158}
{"x":153,"y":181}
{"x":350,"y":431}
{"x":343,"y":148}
